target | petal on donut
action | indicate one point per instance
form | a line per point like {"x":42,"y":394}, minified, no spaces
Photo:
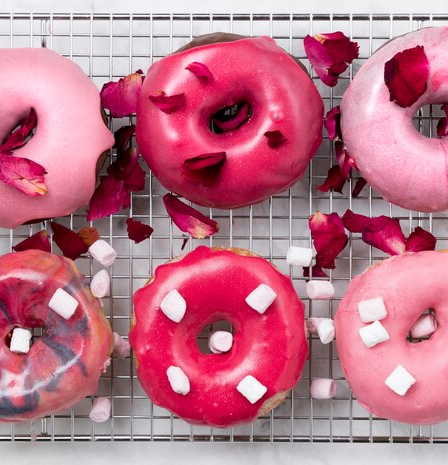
{"x":138,"y":231}
{"x":109,"y":197}
{"x":71,"y":245}
{"x":335,"y":180}
{"x":38,"y":241}
{"x":275,"y":138}
{"x":200,"y":70}
{"x":345,"y":161}
{"x":329,"y":237}
{"x":18,"y":138}
{"x":168,"y":103}
{"x":25,"y":175}
{"x":359,"y":186}
{"x":120,"y":98}
{"x":123,"y":138}
{"x":419,"y":240}
{"x":355,"y":223}
{"x":332,"y":123}
{"x":189,"y":220}
{"x":204,"y":167}
{"x":406,"y":75}
{"x":385,"y":234}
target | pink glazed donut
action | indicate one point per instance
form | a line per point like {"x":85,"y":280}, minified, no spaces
{"x":70,"y":133}
{"x":407,"y":168}
{"x":408,"y":284}
{"x":247,"y":103}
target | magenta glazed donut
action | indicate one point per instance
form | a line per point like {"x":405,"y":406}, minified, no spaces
{"x":391,"y":376}
{"x":228,"y":123}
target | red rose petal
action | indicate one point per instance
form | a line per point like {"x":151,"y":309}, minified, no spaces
{"x":360,"y":183}
{"x":329,"y":237}
{"x":345,"y":161}
{"x":137,"y":231}
{"x":339,"y":46}
{"x":442,"y":125}
{"x":168,"y":103}
{"x":38,"y":241}
{"x":420,"y":239}
{"x":316,"y":272}
{"x":332,"y":123}
{"x":385,"y":234}
{"x":406,"y":76}
{"x":335,"y":180}
{"x":136,"y":179}
{"x":71,"y":245}
{"x":354,"y":222}
{"x":189,"y":220}
{"x":18,"y":137}
{"x":120,"y":98}
{"x":204,"y":168}
{"x":125,"y":163}
{"x":25,"y":175}
{"x":123,"y":138}
{"x":109,"y":197}
{"x":275,"y":138}
{"x":200,"y":70}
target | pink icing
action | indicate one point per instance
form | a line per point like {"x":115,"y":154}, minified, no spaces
{"x":281,"y":95}
{"x":70,"y":133}
{"x":407,"y":168}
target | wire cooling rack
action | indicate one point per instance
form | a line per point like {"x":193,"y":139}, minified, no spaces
{"x":110,"y":46}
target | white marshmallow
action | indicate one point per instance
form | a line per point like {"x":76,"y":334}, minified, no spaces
{"x":261,"y":298}
{"x":322,"y":388}
{"x":220,"y":341}
{"x":103,"y":252}
{"x":174,"y":306}
{"x":100,"y":284}
{"x":100,"y":411}
{"x":372,"y":310}
{"x":326,"y":330}
{"x":320,"y":290}
{"x":400,"y":380}
{"x":63,"y":303}
{"x":424,"y":326}
{"x":299,"y":256}
{"x":178,"y":380}
{"x":20,"y":341}
{"x":251,"y":389}
{"x":373,"y":334}
{"x":121,"y":347}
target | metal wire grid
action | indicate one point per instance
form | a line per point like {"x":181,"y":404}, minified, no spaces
{"x":108,"y":46}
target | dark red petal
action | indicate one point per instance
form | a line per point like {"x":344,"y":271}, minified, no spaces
{"x":184,"y":242}
{"x":332,"y":123}
{"x":385,"y":234}
{"x":335,"y":180}
{"x":360,"y":183}
{"x":168,"y":103}
{"x":345,"y":161}
{"x":420,"y":239}
{"x":135,"y":181}
{"x":275,"y":138}
{"x":18,"y":137}
{"x":406,"y":76}
{"x":123,"y":138}
{"x":320,"y":60}
{"x":125,"y":163}
{"x":71,"y":245}
{"x":355,"y":223}
{"x":137,"y":231}
{"x":200,"y":70}
{"x":442,"y":127}
{"x":38,"y":241}
{"x":189,"y":220}
{"x":316,"y":272}
{"x":226,"y":124}
{"x":339,"y":47}
{"x":109,"y":197}
{"x":205,"y":167}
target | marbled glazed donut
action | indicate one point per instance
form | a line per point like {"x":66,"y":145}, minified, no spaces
{"x":228,"y":121}
{"x":69,"y":137}
{"x":199,"y":289}
{"x":64,"y":365}
{"x":403,"y":288}
{"x":406,"y":167}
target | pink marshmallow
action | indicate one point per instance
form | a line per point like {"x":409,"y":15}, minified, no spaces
{"x":122,"y":348}
{"x":319,"y":290}
{"x":100,"y":411}
{"x":322,"y":327}
{"x":424,"y":326}
{"x":322,"y":388}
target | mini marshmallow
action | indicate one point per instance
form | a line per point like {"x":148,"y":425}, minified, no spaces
{"x":121,"y":347}
{"x":63,"y":303}
{"x":220,"y":341}
{"x":20,"y":341}
{"x":299,"y":256}
{"x":326,"y":330}
{"x":251,"y":389}
{"x":174,"y":306}
{"x":103,"y":252}
{"x":400,"y":380}
{"x":178,"y":380}
{"x":373,"y":334}
{"x":372,"y":310}
{"x":100,"y":411}
{"x":261,"y":298}
{"x":320,"y":290}
{"x":322,"y":388}
{"x":312,"y":324}
{"x":100,"y":284}
{"x":424,"y":326}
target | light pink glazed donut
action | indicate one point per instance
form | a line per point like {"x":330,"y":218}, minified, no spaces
{"x":70,"y":133}
{"x":407,"y":168}
{"x":251,"y":75}
{"x":409,"y":284}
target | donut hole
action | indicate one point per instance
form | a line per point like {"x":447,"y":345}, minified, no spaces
{"x":37,"y":332}
{"x":415,"y":340}
{"x":426,"y":118}
{"x":230,"y":118}
{"x":203,"y":337}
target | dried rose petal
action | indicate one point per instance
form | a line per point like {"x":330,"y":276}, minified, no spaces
{"x":135,"y":180}
{"x":109,"y":197}
{"x":189,"y":220}
{"x":275,"y":138}
{"x":329,"y":237}
{"x":335,"y":180}
{"x":204,"y":168}
{"x":420,"y":239}
{"x":71,"y":245}
{"x":360,"y":183}
{"x":123,"y":138}
{"x":137,"y":231}
{"x":38,"y":241}
{"x":332,"y":123}
{"x":125,"y":163}
{"x":25,"y":175}
{"x":89,"y":235}
{"x":406,"y":76}
{"x":168,"y":103}
{"x":355,"y":223}
{"x":345,"y":161}
{"x":385,"y":234}
{"x":120,"y":98}
{"x":18,"y":137}
{"x":200,"y":70}
{"x":316,"y":272}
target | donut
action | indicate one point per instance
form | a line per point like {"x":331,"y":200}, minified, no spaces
{"x":269,"y":343}
{"x":69,"y":137}
{"x":406,"y":167}
{"x":396,"y":378}
{"x":65,"y":363}
{"x":228,"y":121}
